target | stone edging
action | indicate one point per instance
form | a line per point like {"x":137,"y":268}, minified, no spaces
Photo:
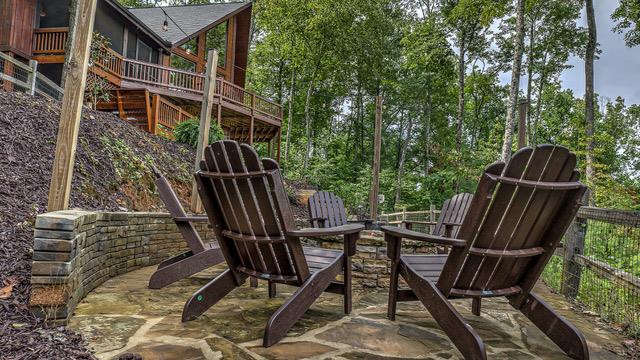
{"x":75,"y":251}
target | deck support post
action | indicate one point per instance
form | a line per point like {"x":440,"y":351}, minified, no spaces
{"x":205,"y":123}
{"x":279,"y":142}
{"x":252,"y":121}
{"x":75,"y":81}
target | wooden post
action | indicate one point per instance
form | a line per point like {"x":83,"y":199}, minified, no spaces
{"x":432,"y":217}
{"x":252,"y":123}
{"x":205,"y":123}
{"x":75,"y":81}
{"x":573,"y":245}
{"x":8,"y":70}
{"x":522,"y":124}
{"x":375,"y":183}
{"x":279,"y":142}
{"x":156,"y":114}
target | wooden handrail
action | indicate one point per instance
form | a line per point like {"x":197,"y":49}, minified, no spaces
{"x":115,"y":67}
{"x":50,"y":40}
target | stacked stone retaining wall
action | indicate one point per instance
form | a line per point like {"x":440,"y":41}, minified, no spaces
{"x":75,"y":251}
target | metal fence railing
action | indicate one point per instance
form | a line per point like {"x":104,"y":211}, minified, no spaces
{"x":17,"y":76}
{"x":599,"y":265}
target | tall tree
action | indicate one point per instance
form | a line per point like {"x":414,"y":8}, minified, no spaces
{"x":589,"y":96}
{"x":515,"y":81}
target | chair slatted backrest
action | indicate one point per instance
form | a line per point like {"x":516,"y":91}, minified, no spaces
{"x":244,"y":198}
{"x":326,"y":210}
{"x":452,"y":214}
{"x":515,"y":222}
{"x":172,"y":203}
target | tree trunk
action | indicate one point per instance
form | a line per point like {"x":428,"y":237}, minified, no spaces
{"x":541,"y":84}
{"x":427,"y":134}
{"x":461,"y":73}
{"x":589,"y":106}
{"x":307,"y":121}
{"x":73,"y":5}
{"x":530,"y":76}
{"x":290,"y":119}
{"x":403,"y":154}
{"x":515,"y":82}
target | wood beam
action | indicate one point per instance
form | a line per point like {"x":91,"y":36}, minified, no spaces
{"x":205,"y":123}
{"x":75,"y":81}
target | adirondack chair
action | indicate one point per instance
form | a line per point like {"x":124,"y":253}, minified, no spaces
{"x":200,"y":255}
{"x":245,"y":201}
{"x":326,"y":209}
{"x":515,"y":221}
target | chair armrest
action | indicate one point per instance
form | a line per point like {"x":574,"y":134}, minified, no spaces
{"x":191,"y":219}
{"x":414,"y":235}
{"x":318,"y":232}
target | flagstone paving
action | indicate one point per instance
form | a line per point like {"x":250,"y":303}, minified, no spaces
{"x":124,"y":316}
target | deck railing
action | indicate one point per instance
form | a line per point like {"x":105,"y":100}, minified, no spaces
{"x":168,"y":114}
{"x":115,"y":67}
{"x":50,"y":41}
{"x":109,"y":61}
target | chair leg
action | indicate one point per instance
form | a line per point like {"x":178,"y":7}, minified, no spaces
{"x":556,"y":327}
{"x":393,"y":291}
{"x":272,"y":289}
{"x":463,"y":336}
{"x":287,"y":315}
{"x":347,"y":302}
{"x":476,"y":305}
{"x":183,"y":266}
{"x":209,"y":295}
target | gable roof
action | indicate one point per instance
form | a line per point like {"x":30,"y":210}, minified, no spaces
{"x":191,"y":19}
{"x":143,"y":27}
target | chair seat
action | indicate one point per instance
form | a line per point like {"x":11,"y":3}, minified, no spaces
{"x":318,"y":259}
{"x":428,"y":267}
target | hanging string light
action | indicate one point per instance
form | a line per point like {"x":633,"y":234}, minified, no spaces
{"x":165,"y":25}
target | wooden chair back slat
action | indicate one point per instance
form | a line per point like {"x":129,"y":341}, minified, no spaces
{"x":512,"y":216}
{"x":234,"y":216}
{"x":326,"y":210}
{"x":452,"y":213}
{"x":256,"y":215}
{"x":276,"y":253}
{"x":172,"y":203}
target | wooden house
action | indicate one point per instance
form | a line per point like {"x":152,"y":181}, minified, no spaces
{"x":154,"y":65}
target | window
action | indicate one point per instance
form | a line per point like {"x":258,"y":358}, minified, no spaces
{"x":217,"y":39}
{"x":143,"y":52}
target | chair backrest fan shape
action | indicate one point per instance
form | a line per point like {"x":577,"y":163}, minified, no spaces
{"x":452,"y":214}
{"x":514,"y":223}
{"x":245,"y":200}
{"x":326,"y":210}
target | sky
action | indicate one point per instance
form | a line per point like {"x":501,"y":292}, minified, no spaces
{"x":616,"y":72}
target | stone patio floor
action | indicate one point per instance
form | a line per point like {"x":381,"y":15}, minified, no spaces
{"x":124,"y":316}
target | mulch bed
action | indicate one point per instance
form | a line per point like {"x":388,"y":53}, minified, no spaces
{"x":111,"y":173}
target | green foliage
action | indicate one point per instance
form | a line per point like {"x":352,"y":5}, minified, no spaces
{"x":187,"y":132}
{"x":339,"y":54}
{"x":628,"y":17}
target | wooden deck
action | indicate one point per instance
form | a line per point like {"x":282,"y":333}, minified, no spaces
{"x":244,"y":116}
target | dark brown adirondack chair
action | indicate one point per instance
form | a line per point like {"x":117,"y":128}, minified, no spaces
{"x":515,"y":221}
{"x":452,"y":214}
{"x":326,"y":209}
{"x":200,"y":255}
{"x":245,"y":200}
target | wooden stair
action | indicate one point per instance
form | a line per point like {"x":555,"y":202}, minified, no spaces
{"x":133,"y":106}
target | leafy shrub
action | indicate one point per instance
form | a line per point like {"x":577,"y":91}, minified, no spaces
{"x":187,"y":132}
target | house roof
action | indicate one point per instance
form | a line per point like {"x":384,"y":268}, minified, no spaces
{"x":143,"y":27}
{"x":186,"y":20}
